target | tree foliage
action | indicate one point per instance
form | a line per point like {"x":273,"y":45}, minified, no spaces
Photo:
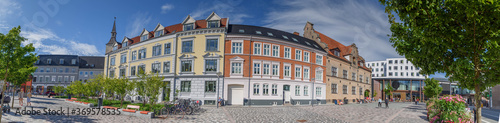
{"x":455,"y":37}
{"x":122,"y":87}
{"x":432,"y":88}
{"x":150,"y":87}
{"x":17,"y":58}
{"x":59,"y":89}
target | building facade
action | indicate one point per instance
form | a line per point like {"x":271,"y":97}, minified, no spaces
{"x":346,"y":74}
{"x":400,"y":74}
{"x":54,"y":70}
{"x":89,"y":67}
{"x":265,"y":66}
{"x":188,"y":55}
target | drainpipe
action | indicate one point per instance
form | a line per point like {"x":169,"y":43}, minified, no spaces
{"x":312,"y":80}
{"x":175,"y":64}
{"x":249,"y":69}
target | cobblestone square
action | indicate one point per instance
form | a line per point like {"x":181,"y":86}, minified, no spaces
{"x":351,"y":113}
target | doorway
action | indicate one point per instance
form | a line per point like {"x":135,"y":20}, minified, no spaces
{"x":286,"y":94}
{"x":235,"y":94}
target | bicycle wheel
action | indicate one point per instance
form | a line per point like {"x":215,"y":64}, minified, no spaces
{"x":188,"y":110}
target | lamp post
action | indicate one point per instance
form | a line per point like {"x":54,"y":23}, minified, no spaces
{"x":217,"y":97}
{"x":312,"y":93}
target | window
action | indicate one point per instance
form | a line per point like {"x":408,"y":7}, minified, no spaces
{"x":285,"y":37}
{"x":344,"y":89}
{"x":122,"y":72}
{"x":156,"y":68}
{"x":276,"y":50}
{"x":132,"y":71}
{"x":395,"y":61}
{"x":270,"y":34}
{"x":86,"y":73}
{"x":287,"y":52}
{"x":91,"y":73}
{"x":390,"y":61}
{"x":187,"y":46}
{"x":306,"y":90}
{"x":256,"y":68}
{"x":212,"y":45}
{"x":258,"y":32}
{"x":60,"y":70}
{"x":395,"y":73}
{"x":306,"y":73}
{"x":49,"y":61}
{"x":61,"y":61}
{"x":318,"y":91}
{"x":188,"y":26}
{"x":72,"y":78}
{"x":275,"y":90}
{"x":166,"y":67}
{"x":211,"y":65}
{"x":306,"y":56}
{"x":265,"y":69}
{"x":390,"y":73}
{"x":345,"y":74}
{"x":54,"y":70}
{"x":390,"y":68}
{"x":334,"y":88}
{"x":241,"y":31}
{"x":297,"y":90}
{"x":298,"y":55}
{"x":337,"y":53}
{"x":73,"y":70}
{"x":59,"y":78}
{"x":256,"y":89}
{"x":319,"y":75}
{"x":237,"y":47}
{"x":395,"y":67}
{"x":418,"y":74}
{"x":406,"y":67}
{"x":159,"y":33}
{"x":157,"y":50}
{"x":298,"y":73}
{"x":275,"y":70}
{"x":185,"y":86}
{"x":369,"y":80}
{"x":123,"y":58}
{"x":265,"y":89}
{"x":213,"y":24}
{"x":411,"y":68}
{"x":412,"y":74}
{"x":142,"y":53}
{"x":334,"y":71}
{"x":295,"y":39}
{"x":167,"y":48}
{"x":267,"y":48}
{"x":134,"y":55}
{"x":353,"y":90}
{"x":141,"y":69}
{"x":111,"y":73}
{"x":144,"y":37}
{"x":256,"y":48}
{"x":41,"y":69}
{"x":67,"y":70}
{"x":361,"y":89}
{"x":186,"y":65}
{"x":112,"y":61}
{"x":37,"y":62}
{"x":286,"y":71}
{"x":210,"y":86}
{"x":319,"y":59}
{"x":115,"y":47}
{"x":360,"y":78}
{"x":236,"y":68}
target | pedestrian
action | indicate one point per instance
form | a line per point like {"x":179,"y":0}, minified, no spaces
{"x":379,"y":102}
{"x":386,"y":103}
{"x":28,"y":99}
{"x":20,"y":94}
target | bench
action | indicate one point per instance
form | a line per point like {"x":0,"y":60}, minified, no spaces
{"x":144,"y":112}
{"x":131,"y":108}
{"x":110,"y":107}
{"x":73,"y":98}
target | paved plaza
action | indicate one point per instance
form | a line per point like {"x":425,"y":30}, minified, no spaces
{"x":352,"y":113}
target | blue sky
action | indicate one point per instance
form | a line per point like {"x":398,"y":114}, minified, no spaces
{"x":83,"y":27}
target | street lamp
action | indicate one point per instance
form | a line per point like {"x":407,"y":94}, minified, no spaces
{"x":312,"y":92}
{"x":217,"y":99}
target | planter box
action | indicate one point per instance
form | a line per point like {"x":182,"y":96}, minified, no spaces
{"x":138,"y":114}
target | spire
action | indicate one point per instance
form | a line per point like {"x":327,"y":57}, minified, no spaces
{"x":113,"y":34}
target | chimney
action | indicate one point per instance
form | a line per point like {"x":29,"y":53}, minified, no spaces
{"x":296,"y":33}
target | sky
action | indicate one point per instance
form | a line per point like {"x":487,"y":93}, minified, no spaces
{"x":83,"y":27}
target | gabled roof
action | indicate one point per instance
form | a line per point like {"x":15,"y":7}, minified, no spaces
{"x":158,"y":27}
{"x":125,"y":39}
{"x":188,"y":19}
{"x":344,"y":50}
{"x":144,"y":31}
{"x":213,"y":16}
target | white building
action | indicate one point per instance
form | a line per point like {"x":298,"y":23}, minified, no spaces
{"x":394,"y":68}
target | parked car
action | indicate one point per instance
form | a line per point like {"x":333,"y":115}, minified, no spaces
{"x":50,"y":93}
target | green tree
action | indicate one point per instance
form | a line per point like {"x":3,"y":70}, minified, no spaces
{"x":432,"y":88}
{"x":388,"y":90}
{"x":455,"y":37}
{"x":149,"y":87}
{"x":367,"y":93}
{"x":374,"y":93}
{"x":75,"y":88}
{"x":59,"y":89}
{"x":14,"y":56}
{"x":123,"y":87}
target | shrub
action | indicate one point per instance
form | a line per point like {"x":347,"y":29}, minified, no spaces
{"x":449,"y":109}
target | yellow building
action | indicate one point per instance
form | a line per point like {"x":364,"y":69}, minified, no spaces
{"x":189,"y":55}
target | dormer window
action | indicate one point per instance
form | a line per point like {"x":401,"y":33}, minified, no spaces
{"x":295,"y":39}
{"x":159,"y":33}
{"x":188,"y":26}
{"x":49,"y":61}
{"x":337,"y":53}
{"x":73,"y":61}
{"x":61,"y":61}
{"x":115,"y":47}
{"x":285,"y":37}
{"x":258,"y":32}
{"x":144,"y":37}
{"x":213,"y":24}
{"x":125,"y":43}
{"x":270,"y":34}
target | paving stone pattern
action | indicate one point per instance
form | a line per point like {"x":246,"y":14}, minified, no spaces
{"x":353,"y":113}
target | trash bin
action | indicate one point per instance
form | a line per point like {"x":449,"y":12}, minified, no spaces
{"x":99,"y":103}
{"x":335,"y":101}
{"x":69,"y":96}
{"x":346,"y":101}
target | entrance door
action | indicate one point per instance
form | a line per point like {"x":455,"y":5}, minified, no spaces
{"x":286,"y":93}
{"x":235,"y":95}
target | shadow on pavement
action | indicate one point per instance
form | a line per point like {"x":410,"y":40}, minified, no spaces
{"x":43,"y":102}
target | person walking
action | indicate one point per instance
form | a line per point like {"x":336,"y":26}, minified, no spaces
{"x":28,"y":99}
{"x":386,"y":103}
{"x":20,"y":94}
{"x":379,"y":102}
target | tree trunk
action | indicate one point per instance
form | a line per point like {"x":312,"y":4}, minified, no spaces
{"x":121,"y":103}
{"x":13,"y":97}
{"x":144,"y":101}
{"x":478,"y":103}
{"x":4,"y":87}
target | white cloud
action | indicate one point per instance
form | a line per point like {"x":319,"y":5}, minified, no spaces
{"x":47,"y":42}
{"x":141,"y":20}
{"x":166,"y":7}
{"x":225,"y":8}
{"x":9,"y":9}
{"x":361,"y":22}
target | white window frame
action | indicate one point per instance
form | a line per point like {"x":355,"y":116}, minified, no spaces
{"x":297,"y":90}
{"x":257,"y":48}
{"x":268,"y":68}
{"x":320,"y":61}
{"x":285,"y":71}
{"x":268,"y":49}
{"x":256,"y":89}
{"x":318,"y":91}
{"x":277,"y":69}
{"x":277,"y":54}
{"x":306,"y":90}
{"x":257,"y":70}
{"x":274,"y":90}
{"x":265,"y":89}
{"x":320,"y":77}
{"x":306,"y":74}
{"x":289,"y":53}
{"x":306,"y":57}
{"x":298,"y":54}
{"x":233,"y":48}
{"x":299,"y":72}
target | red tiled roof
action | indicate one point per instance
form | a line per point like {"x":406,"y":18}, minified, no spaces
{"x":333,"y":44}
